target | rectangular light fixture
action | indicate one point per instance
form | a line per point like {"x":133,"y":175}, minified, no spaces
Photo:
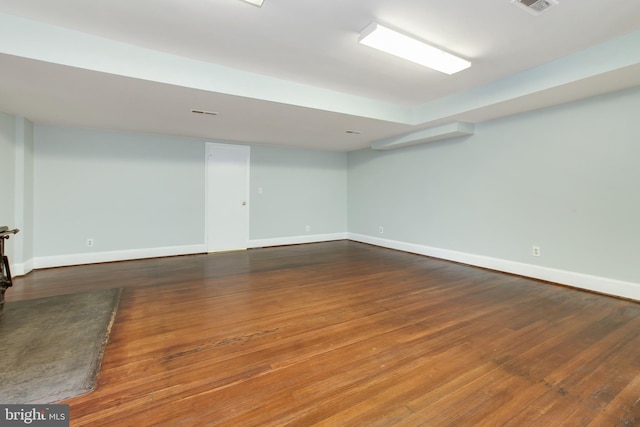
{"x":390,"y":41}
{"x":255,"y":2}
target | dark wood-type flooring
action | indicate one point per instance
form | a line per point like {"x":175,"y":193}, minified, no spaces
{"x":346,"y":334}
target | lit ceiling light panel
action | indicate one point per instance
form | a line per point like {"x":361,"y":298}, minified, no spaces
{"x":390,"y":41}
{"x":255,"y":2}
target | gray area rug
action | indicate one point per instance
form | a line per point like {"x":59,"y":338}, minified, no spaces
{"x":51,"y":348}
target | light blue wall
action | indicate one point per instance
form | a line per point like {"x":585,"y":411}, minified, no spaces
{"x":132,"y":191}
{"x":565,"y":178}
{"x":16,"y":187}
{"x":7,"y":170}
{"x":299,"y":188}
{"x":126,"y":191}
{"x":23,"y":187}
{"x":28,"y":188}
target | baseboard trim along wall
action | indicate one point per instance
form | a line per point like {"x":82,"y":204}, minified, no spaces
{"x":296,"y":240}
{"x":569,"y":278}
{"x":111,"y":256}
{"x":602,"y":285}
{"x":98,"y":257}
{"x":20,"y":269}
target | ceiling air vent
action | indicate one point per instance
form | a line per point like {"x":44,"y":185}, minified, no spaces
{"x":535,"y":7}
{"x":208,"y":113}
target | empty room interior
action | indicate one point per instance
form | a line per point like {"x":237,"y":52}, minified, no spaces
{"x":304,"y":228}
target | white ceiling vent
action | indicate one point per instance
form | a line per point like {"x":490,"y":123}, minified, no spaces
{"x":535,"y":7}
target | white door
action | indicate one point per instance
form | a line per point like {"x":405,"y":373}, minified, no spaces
{"x":227,"y":186}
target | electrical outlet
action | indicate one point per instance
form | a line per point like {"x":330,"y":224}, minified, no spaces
{"x":381,"y":230}
{"x":89,"y":242}
{"x":308,"y":228}
{"x":535,"y":251}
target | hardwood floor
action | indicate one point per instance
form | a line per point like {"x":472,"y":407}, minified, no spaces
{"x":341,"y":334}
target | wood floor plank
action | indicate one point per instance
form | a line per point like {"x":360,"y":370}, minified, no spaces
{"x":347,"y":334}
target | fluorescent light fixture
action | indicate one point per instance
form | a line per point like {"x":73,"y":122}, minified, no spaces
{"x":255,"y":2}
{"x":390,"y":41}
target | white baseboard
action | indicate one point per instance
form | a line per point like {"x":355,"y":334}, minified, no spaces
{"x":20,"y":269}
{"x":603,"y":285}
{"x":296,"y":240}
{"x":578,"y":280}
{"x":98,"y":257}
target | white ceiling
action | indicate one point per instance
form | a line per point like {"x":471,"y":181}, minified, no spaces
{"x":292,"y":73}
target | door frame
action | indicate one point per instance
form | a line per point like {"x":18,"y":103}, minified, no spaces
{"x":209,"y":146}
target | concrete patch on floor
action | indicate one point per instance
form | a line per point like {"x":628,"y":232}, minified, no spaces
{"x":51,"y":348}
